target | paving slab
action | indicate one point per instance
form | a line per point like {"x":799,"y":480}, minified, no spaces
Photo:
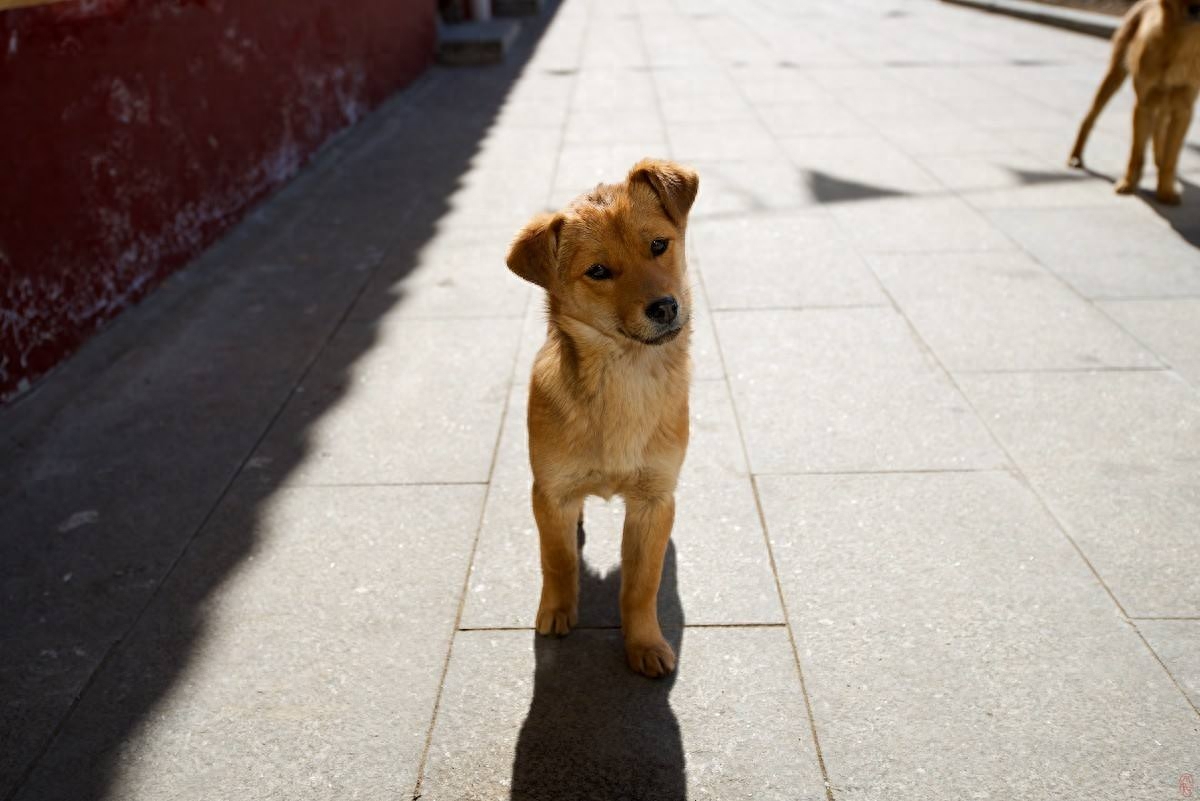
{"x":918,"y":224}
{"x":1115,"y":252}
{"x":527,"y":717}
{"x":845,"y":390}
{"x":457,"y":275}
{"x":1114,"y":456}
{"x":701,"y":95}
{"x":1136,"y":523}
{"x":416,"y":408}
{"x":1177,"y":643}
{"x":789,"y":117}
{"x":1171,"y":328}
{"x":582,"y":166}
{"x":956,"y":646}
{"x":1003,"y":311}
{"x":616,"y":90}
{"x":303,"y":633}
{"x":785,"y":260}
{"x":1147,"y":419}
{"x":730,"y":140}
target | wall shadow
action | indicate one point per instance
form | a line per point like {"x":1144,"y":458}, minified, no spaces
{"x":111,"y":555}
{"x":595,"y":729}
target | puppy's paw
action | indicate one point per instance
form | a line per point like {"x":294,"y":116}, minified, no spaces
{"x":555,"y":619}
{"x":653,"y":658}
{"x":1169,"y":197}
{"x":1125,"y":187}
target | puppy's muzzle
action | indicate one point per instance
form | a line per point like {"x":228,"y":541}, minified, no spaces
{"x":663,"y":311}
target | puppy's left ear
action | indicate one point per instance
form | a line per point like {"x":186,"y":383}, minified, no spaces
{"x":533,"y":255}
{"x":675,"y":185}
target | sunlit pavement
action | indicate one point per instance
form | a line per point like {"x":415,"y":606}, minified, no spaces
{"x":269,"y":535}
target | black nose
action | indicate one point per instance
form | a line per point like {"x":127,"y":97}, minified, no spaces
{"x":663,"y":311}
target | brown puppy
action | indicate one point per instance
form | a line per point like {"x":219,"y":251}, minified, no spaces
{"x":608,"y":401}
{"x":1159,"y":43}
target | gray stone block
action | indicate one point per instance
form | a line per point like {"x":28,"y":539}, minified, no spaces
{"x":955,"y":645}
{"x":1002,"y":311}
{"x":1177,"y":643}
{"x":473,"y":43}
{"x":517,"y":8}
{"x":1171,"y":328}
{"x":422,"y":404}
{"x":845,"y":389}
{"x":294,"y":652}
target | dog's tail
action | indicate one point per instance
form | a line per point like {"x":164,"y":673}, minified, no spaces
{"x":1118,"y":68}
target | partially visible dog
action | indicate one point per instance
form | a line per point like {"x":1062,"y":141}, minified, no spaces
{"x":1159,"y":44}
{"x":608,"y":400}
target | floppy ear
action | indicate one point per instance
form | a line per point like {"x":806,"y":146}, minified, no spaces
{"x":533,"y":255}
{"x":675,"y":185}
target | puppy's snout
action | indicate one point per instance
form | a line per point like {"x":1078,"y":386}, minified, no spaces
{"x":663,"y":311}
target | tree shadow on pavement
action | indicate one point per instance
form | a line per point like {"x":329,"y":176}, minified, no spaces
{"x":597,"y":731}
{"x":828,"y":188}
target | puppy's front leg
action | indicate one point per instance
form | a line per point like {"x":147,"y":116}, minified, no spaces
{"x":557,"y":522}
{"x":648,"y":521}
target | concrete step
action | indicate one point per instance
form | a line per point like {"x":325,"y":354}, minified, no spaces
{"x":473,"y":43}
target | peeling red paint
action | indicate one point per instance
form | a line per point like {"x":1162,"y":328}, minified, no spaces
{"x":135,"y":131}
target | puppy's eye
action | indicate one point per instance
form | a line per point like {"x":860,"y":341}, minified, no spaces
{"x":598,"y":272}
{"x":658,"y":247}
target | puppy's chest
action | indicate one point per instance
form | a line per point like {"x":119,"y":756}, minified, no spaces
{"x":624,"y":420}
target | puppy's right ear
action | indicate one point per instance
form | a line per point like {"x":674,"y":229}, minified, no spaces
{"x":534,"y":253}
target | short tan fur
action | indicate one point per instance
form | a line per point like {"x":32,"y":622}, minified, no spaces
{"x":608,"y":398}
{"x":1158,"y":43}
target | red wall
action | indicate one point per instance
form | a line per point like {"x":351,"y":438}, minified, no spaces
{"x":132,"y":132}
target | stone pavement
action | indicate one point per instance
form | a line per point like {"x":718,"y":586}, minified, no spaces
{"x":269,"y":535}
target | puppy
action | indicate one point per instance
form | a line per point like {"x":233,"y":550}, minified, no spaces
{"x":1159,"y":43}
{"x":608,"y":400}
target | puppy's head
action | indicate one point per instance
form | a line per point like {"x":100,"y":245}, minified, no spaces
{"x":613,"y":260}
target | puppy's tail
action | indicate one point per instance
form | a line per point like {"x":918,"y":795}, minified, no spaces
{"x":1117,"y":70}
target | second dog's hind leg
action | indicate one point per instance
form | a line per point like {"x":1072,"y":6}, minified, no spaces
{"x":1117,"y":71}
{"x":1143,"y":129}
{"x":1161,"y":126}
{"x":1112,"y":82}
{"x":1174,"y":127}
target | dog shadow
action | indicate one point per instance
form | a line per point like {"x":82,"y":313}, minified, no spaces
{"x":1184,"y":219}
{"x":595,"y":729}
